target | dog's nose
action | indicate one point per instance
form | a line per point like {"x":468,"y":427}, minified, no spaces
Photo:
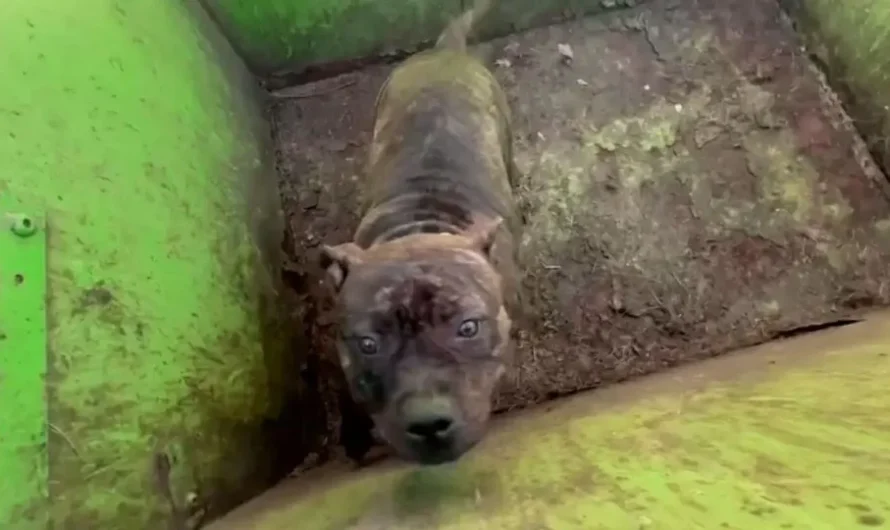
{"x":434,"y":428}
{"x":429,"y":420}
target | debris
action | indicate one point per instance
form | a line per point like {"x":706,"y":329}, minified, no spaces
{"x":761,"y":74}
{"x":768,"y":120}
{"x":336,"y":145}
{"x":758,"y":105}
{"x":503,"y":63}
{"x":311,"y":460}
{"x":316,"y":89}
{"x":566,"y":52}
{"x":706,"y":132}
{"x":583,"y":82}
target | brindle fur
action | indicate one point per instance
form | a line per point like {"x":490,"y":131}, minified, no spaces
{"x":435,"y":247}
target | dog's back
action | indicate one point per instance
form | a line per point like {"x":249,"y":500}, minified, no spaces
{"x":426,"y":287}
{"x":441,"y":154}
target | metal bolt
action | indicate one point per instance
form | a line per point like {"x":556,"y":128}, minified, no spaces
{"x":22,"y":225}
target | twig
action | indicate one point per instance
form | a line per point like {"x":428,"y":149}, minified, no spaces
{"x":311,"y":91}
{"x":66,"y":438}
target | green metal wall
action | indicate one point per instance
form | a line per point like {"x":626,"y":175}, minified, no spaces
{"x":138,"y":387}
{"x":277,"y":36}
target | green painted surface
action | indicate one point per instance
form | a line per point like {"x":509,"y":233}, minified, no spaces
{"x":794,"y":435}
{"x":852,"y":40}
{"x":279,"y":34}
{"x":23,"y":459}
{"x":133,"y":128}
{"x":288,"y":35}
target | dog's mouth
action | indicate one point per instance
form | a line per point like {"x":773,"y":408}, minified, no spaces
{"x":433,"y":451}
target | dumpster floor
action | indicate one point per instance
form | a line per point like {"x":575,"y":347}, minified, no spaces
{"x":690,"y":183}
{"x":789,"y":435}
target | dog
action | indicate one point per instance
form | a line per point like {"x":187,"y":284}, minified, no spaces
{"x":425,"y":291}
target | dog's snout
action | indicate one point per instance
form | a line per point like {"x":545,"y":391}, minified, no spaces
{"x":429,"y":419}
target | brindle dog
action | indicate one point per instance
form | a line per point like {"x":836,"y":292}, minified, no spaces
{"x":426,"y":289}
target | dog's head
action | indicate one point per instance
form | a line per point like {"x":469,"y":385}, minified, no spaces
{"x":423,"y":336}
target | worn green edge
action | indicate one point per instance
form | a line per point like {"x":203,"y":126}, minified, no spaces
{"x":23,"y":458}
{"x":276,"y":36}
{"x":134,"y":127}
{"x":793,"y":435}
{"x":852,"y":41}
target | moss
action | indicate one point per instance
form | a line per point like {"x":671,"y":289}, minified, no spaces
{"x":853,"y":42}
{"x":627,"y":152}
{"x":783,"y":182}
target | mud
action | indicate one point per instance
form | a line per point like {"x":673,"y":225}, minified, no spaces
{"x":689,"y":183}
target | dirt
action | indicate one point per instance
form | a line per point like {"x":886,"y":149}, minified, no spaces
{"x":690,"y":184}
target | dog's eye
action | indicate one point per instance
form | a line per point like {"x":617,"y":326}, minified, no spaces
{"x":468,"y":328}
{"x":367,"y":345}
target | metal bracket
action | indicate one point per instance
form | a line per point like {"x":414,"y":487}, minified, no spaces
{"x":23,"y":363}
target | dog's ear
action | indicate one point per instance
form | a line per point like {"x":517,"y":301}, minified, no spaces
{"x":482,"y":234}
{"x":338,"y":260}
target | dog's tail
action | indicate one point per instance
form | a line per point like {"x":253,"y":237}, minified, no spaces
{"x":458,"y":31}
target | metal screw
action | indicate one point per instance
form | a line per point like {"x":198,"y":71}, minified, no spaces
{"x":22,"y":225}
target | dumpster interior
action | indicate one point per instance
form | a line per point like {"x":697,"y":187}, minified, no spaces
{"x":685,"y":161}
{"x":704,"y":338}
